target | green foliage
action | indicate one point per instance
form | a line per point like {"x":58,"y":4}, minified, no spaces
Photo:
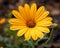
{"x":12,"y":41}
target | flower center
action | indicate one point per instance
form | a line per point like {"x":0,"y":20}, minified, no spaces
{"x":31,"y":23}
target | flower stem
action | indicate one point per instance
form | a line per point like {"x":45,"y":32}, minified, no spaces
{"x":50,"y":35}
{"x":33,"y":46}
{"x":31,"y":42}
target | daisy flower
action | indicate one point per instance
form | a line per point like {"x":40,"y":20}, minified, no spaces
{"x":30,"y":21}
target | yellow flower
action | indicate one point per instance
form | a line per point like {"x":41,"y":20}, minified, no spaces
{"x":2,"y":21}
{"x":30,"y":21}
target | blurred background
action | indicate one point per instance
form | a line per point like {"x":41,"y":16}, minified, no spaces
{"x":51,"y":5}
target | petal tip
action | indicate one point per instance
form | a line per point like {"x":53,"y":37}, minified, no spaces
{"x":33,"y":3}
{"x":18,"y":35}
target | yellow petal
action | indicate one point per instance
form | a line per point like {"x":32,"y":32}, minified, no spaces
{"x":22,"y":12}
{"x":45,"y":14}
{"x":39,"y":12}
{"x":17,"y":22}
{"x":33,"y":10}
{"x":46,"y":19}
{"x":43,"y":29}
{"x":17,"y":27}
{"x":27,"y":35}
{"x":17,"y":15}
{"x":39,"y":33}
{"x":33,"y":35}
{"x":44,"y":23}
{"x":27,"y":10}
{"x":21,"y":32}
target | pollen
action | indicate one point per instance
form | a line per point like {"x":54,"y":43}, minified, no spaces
{"x":31,"y":23}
